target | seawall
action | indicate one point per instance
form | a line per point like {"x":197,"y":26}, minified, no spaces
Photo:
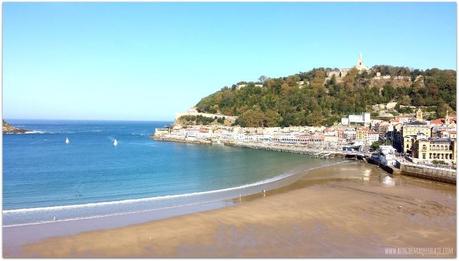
{"x":431,"y":173}
{"x":181,"y":140}
{"x":419,"y":171}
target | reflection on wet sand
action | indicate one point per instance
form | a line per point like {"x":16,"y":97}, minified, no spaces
{"x":348,"y":210}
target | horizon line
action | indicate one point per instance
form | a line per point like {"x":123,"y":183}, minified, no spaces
{"x":50,"y":119}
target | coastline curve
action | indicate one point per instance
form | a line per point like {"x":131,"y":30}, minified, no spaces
{"x":41,"y":215}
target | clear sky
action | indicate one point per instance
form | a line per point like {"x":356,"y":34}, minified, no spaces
{"x":147,"y":61}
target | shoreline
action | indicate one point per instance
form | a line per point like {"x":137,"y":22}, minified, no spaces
{"x":19,"y":234}
{"x":275,"y":182}
{"x":320,"y":153}
{"x":284,"y":202}
{"x":404,"y":168}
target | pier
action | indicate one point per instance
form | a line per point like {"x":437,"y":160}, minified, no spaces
{"x":315,"y":152}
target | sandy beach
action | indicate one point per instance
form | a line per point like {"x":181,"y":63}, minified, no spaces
{"x":347,"y":210}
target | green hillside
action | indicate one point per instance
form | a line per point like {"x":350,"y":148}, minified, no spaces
{"x":308,"y":99}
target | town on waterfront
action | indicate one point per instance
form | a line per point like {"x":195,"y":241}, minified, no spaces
{"x":407,"y":141}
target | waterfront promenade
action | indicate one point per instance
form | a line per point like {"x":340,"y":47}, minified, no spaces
{"x":287,"y":143}
{"x":316,"y":152}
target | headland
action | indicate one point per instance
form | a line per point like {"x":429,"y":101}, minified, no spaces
{"x":383,"y":114}
{"x":10,"y":129}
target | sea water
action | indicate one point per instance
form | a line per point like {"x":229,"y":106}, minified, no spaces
{"x":45,"y":179}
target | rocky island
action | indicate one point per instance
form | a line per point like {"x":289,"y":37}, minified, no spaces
{"x":10,"y":129}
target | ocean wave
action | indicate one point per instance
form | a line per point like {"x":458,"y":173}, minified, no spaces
{"x":93,"y":131}
{"x":113,"y":214}
{"x":36,"y":132}
{"x":29,"y":216}
{"x":61,"y":132}
{"x":127,"y":201}
{"x":138,"y":134}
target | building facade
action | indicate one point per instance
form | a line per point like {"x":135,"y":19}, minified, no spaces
{"x":439,"y":149}
{"x":409,"y":133}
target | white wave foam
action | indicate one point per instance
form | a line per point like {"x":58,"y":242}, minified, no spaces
{"x":138,"y":134}
{"x":61,"y":132}
{"x":158,"y":198}
{"x":112,"y":214}
{"x":35,"y":132}
{"x":104,"y":210}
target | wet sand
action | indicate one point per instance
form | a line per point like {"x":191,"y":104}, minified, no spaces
{"x":349,"y":210}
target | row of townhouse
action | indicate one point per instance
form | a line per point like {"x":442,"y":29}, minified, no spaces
{"x":427,"y":141}
{"x":331,"y":137}
{"x":402,"y":131}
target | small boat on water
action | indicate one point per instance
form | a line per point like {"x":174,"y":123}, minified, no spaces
{"x":115,"y":142}
{"x":67,"y":141}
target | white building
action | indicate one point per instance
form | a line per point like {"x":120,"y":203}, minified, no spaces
{"x":363,"y":119}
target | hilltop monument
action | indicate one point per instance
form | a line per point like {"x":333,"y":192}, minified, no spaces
{"x":360,"y":66}
{"x":340,"y":73}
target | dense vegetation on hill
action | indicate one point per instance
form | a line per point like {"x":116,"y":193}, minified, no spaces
{"x":287,"y":101}
{"x":200,"y":120}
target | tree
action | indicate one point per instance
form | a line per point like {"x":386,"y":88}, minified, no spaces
{"x":314,"y":118}
{"x":441,"y":110}
{"x":318,"y":79}
{"x":252,"y":118}
{"x":388,"y":93}
{"x":263,"y":78}
{"x":405,"y":100}
{"x":405,"y":110}
{"x":349,"y":79}
{"x":271,"y":119}
{"x":221,"y":120}
{"x":375,"y":145}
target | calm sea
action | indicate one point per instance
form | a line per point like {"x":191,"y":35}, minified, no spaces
{"x":44,"y":178}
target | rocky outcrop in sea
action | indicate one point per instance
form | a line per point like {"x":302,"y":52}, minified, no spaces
{"x":10,"y":129}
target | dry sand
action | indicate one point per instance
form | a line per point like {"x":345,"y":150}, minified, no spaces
{"x":347,"y":210}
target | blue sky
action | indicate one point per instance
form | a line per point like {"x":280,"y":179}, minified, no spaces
{"x":147,"y":61}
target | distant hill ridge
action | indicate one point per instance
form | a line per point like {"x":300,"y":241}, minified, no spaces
{"x":321,"y":96}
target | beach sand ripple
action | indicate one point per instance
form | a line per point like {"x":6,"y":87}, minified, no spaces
{"x":339,"y":211}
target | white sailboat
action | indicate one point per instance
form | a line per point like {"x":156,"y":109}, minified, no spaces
{"x":67,"y":141}
{"x":115,"y":142}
